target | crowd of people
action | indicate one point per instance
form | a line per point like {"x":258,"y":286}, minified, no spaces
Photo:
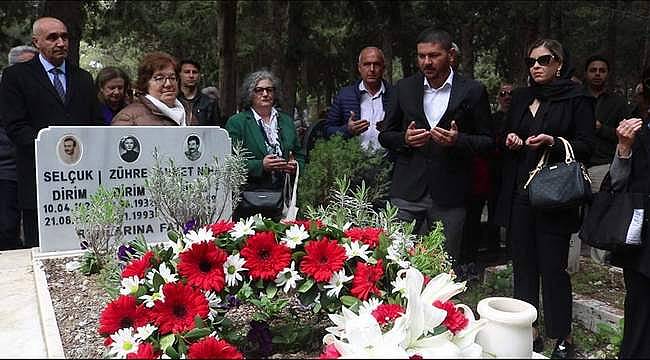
{"x":451,"y":155}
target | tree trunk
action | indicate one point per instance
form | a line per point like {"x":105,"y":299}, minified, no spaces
{"x":226,"y":33}
{"x":279,"y":28}
{"x":293,"y":54}
{"x":646,"y":45}
{"x":611,"y":44}
{"x":72,"y":15}
{"x":467,"y":49}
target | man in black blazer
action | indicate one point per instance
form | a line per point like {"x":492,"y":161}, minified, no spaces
{"x":44,"y":91}
{"x":436,"y":120}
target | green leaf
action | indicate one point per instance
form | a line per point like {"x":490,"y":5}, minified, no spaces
{"x":259,"y":284}
{"x":271,"y":290}
{"x":172,"y":235}
{"x":306,"y":286}
{"x":167,"y":341}
{"x":171,"y":352}
{"x":182,"y":347}
{"x":316,"y":308}
{"x":158,"y":281}
{"x":197,"y":333}
{"x":297,"y":255}
{"x":348,"y":300}
{"x":198,"y":322}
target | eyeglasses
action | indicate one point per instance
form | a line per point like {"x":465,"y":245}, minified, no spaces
{"x":160,"y":79}
{"x":260,"y":90}
{"x":503,"y":93}
{"x":542,"y":60}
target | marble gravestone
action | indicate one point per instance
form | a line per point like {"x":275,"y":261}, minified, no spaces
{"x":72,"y":162}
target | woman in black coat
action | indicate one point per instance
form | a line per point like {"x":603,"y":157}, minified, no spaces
{"x":552,"y":106}
{"x":630,"y":170}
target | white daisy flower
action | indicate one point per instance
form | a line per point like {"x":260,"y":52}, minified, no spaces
{"x":166,"y":273}
{"x":294,"y":236}
{"x":335,"y":284}
{"x":129,"y":285}
{"x":288,"y":278}
{"x":124,"y":342}
{"x":243,"y":228}
{"x":144,"y":332}
{"x":399,"y":284}
{"x":356,"y":248}
{"x":369,"y":306}
{"x":150,"y":299}
{"x":213,"y":302}
{"x":193,"y":237}
{"x":231,"y":268}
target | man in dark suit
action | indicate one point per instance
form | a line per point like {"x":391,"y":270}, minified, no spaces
{"x":44,"y":91}
{"x":436,"y":121}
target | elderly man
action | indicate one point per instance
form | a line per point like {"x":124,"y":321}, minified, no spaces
{"x":438,"y":120}
{"x":9,"y":213}
{"x":358,"y":109}
{"x":44,"y":91}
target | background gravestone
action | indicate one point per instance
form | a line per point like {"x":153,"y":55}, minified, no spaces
{"x":71,"y":163}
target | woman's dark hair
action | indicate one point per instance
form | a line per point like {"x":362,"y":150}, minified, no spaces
{"x":107,"y":74}
{"x":152,"y":62}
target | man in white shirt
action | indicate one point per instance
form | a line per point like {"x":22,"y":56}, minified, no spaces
{"x":437,"y":120}
{"x":359,"y":109}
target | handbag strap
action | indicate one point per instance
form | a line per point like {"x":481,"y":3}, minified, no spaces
{"x":568,"y":158}
{"x":292,"y":202}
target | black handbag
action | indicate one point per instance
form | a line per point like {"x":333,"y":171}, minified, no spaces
{"x":265,"y":200}
{"x":559,"y":185}
{"x":614,"y":220}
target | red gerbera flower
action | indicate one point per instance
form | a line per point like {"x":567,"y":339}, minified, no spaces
{"x":367,"y":235}
{"x":145,"y":351}
{"x":202,"y":265}
{"x":221,"y":226}
{"x":365,"y":280}
{"x":306,"y":223}
{"x":138,"y":267}
{"x":211,"y":348}
{"x":120,"y":313}
{"x":182,"y":303}
{"x":323,"y":258}
{"x":265,"y":258}
{"x":330,"y":352}
{"x":455,"y":320}
{"x":385,"y":313}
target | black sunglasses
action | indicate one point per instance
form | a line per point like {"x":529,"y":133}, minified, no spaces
{"x":542,"y":60}
{"x":503,"y":93}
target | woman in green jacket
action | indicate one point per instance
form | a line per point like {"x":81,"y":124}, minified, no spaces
{"x":269,"y":136}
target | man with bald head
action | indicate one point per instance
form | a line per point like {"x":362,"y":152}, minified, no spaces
{"x":359,"y":109}
{"x":47,"y":90}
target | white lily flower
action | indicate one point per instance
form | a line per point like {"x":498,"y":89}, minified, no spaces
{"x":143,"y":332}
{"x":232,"y":267}
{"x":243,"y":228}
{"x":442,"y":287}
{"x":294,"y":236}
{"x":356,"y":248}
{"x":149,"y":300}
{"x":124,"y":343}
{"x":288,"y":277}
{"x":194,"y":237}
{"x":129,"y":285}
{"x":466,"y":338}
{"x":336,"y":282}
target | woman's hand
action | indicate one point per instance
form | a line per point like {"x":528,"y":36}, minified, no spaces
{"x":513,"y":141}
{"x":626,"y":132}
{"x":273,"y":162}
{"x":290,"y":167}
{"x":537,"y":141}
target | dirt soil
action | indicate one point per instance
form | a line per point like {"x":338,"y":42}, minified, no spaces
{"x":599,"y":282}
{"x":78,"y":302}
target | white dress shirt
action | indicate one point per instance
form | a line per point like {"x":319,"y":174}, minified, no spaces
{"x":435,"y":101}
{"x":48,"y":66}
{"x":372,"y":109}
{"x":271,"y":130}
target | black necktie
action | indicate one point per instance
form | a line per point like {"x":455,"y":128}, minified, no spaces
{"x":57,"y":82}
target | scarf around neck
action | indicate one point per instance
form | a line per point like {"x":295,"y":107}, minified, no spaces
{"x":176,"y":113}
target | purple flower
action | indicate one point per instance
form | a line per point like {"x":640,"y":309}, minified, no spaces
{"x":83,"y":244}
{"x":124,"y":252}
{"x":259,"y":336}
{"x":190,"y":225}
{"x":233,"y":301}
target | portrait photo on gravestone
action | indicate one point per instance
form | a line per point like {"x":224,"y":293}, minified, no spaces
{"x":129,"y":148}
{"x":69,"y":149}
{"x":192,"y":151}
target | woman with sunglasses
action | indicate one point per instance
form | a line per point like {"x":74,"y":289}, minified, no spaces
{"x":551,"y":106}
{"x":269,"y":136}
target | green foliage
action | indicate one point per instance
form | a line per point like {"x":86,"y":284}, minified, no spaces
{"x":429,"y":256}
{"x":335,"y":158}
{"x":612,"y":335}
{"x":98,"y":224}
{"x":500,"y":281}
{"x":89,"y":264}
{"x":267,"y":307}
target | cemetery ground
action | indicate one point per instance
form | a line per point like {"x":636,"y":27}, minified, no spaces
{"x":78,"y":300}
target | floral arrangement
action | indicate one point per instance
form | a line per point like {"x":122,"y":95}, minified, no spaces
{"x":175,"y":296}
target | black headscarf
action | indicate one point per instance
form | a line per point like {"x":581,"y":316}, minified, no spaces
{"x":562,"y":87}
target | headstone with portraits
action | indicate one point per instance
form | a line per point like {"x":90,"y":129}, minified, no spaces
{"x":72,"y":162}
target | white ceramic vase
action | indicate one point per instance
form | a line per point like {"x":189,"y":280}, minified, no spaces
{"x":509,"y":331}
